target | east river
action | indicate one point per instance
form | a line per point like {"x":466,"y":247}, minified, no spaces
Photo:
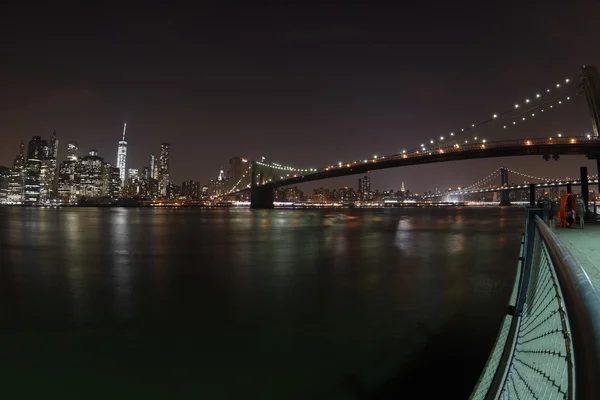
{"x":142,"y":303}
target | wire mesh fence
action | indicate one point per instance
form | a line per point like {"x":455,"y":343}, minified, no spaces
{"x":548,"y":346}
{"x":542,"y":362}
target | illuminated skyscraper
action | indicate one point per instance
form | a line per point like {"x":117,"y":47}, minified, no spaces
{"x":114,"y":183}
{"x":73,"y":151}
{"x":90,"y":174}
{"x":16,"y":183}
{"x":122,"y":156}
{"x":48,"y":188}
{"x":53,"y":150}
{"x":153,"y":166}
{"x":68,"y":175}
{"x":364,"y":185}
{"x":190,"y":189}
{"x":133,"y":182}
{"x":36,"y":153}
{"x":164,"y":169}
{"x":4,"y":179}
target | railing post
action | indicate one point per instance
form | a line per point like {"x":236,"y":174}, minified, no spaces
{"x":532,"y":194}
{"x":585,"y":192}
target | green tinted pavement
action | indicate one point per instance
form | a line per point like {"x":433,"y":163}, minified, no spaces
{"x":584,"y":244}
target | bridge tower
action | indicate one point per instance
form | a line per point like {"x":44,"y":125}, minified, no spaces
{"x":504,"y":198}
{"x":261,"y":196}
{"x":590,"y":80}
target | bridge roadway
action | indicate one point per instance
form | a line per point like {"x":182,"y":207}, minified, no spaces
{"x":262,"y":192}
{"x":580,"y":145}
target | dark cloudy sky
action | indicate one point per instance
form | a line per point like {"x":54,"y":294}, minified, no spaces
{"x":307,"y":85}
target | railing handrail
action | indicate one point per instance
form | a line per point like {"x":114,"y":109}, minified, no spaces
{"x":583,"y":309}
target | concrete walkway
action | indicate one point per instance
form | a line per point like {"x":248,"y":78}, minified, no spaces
{"x":584,"y":244}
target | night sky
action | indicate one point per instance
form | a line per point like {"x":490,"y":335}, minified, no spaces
{"x":306,"y":85}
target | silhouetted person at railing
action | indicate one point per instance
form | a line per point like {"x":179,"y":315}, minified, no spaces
{"x":551,"y":213}
{"x":545,"y":208}
{"x":580,"y":210}
{"x":570,"y":215}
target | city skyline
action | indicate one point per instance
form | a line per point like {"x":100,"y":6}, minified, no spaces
{"x":235,"y":170}
{"x":343,"y":82}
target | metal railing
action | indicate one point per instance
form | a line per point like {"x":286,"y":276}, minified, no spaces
{"x":549,"y":343}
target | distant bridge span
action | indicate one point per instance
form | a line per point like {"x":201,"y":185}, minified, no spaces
{"x":263,"y":185}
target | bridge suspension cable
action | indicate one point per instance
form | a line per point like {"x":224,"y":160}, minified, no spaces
{"x":537,"y":104}
{"x":483,"y":180}
{"x":236,"y":186}
{"x":543,"y":100}
{"x":530,"y":176}
{"x":530,"y":104}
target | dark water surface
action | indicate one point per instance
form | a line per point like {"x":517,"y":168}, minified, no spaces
{"x":232,"y":304}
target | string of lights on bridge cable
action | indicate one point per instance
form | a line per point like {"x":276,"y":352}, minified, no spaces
{"x":236,"y":186}
{"x":531,"y":106}
{"x":488,"y":179}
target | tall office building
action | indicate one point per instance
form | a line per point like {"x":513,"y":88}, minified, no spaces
{"x":133,"y":182}
{"x":364,"y":184}
{"x":190,"y":189}
{"x":48,"y":181}
{"x":68,"y":175}
{"x":164,"y":169}
{"x":144,"y":182}
{"x":91,"y":168}
{"x":53,"y":149}
{"x":36,"y":153}
{"x":4,"y":179}
{"x":122,"y":156}
{"x":16,"y":182}
{"x":68,"y":179}
{"x":114,"y":185}
{"x":72,"y":151}
{"x":153,"y":167}
{"x":237,"y":168}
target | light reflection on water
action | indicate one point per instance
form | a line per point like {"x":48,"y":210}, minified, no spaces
{"x":285,"y":303}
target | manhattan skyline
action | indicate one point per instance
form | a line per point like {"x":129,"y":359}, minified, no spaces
{"x":305,"y":86}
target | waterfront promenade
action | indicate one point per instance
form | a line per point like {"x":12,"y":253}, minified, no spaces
{"x":583,"y":244}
